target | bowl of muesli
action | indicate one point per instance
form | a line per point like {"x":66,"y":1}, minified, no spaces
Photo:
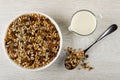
{"x":33,"y":41}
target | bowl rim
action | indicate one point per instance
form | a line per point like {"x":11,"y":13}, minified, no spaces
{"x":60,"y":48}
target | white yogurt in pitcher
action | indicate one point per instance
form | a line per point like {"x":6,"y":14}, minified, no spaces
{"x":83,"y":22}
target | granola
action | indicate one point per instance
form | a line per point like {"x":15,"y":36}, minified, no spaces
{"x":32,"y":41}
{"x":76,"y":57}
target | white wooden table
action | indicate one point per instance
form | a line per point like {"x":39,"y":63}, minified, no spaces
{"x":104,"y":56}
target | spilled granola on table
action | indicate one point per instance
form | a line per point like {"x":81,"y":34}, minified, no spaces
{"x":32,"y":41}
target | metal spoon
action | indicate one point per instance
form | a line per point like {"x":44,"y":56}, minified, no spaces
{"x":111,"y":29}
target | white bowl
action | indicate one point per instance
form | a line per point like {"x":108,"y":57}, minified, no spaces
{"x":61,"y":41}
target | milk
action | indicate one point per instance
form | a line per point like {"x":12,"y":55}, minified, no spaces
{"x":83,"y":22}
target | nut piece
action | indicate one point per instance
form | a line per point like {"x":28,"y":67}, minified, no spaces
{"x":32,"y":41}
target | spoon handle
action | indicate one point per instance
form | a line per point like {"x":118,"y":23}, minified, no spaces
{"x":111,"y":29}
